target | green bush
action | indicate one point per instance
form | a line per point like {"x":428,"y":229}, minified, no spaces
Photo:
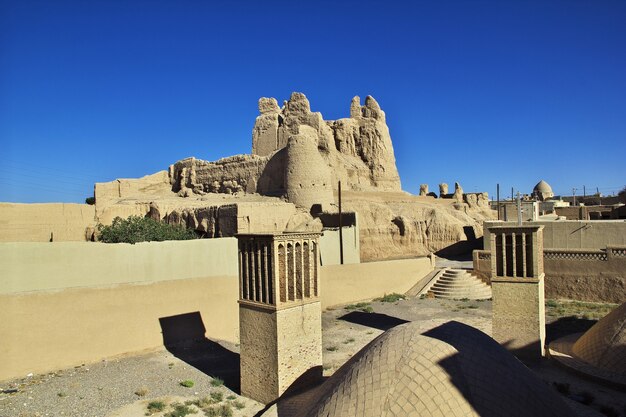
{"x":142,"y":229}
{"x":90,"y":200}
{"x":390,"y":298}
{"x":187,"y":383}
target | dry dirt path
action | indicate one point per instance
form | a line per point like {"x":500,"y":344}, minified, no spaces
{"x":123,"y":387}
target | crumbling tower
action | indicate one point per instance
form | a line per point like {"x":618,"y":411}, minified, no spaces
{"x":279,"y":313}
{"x":517,"y":284}
{"x":307,"y":176}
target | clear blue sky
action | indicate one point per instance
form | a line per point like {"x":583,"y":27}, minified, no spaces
{"x":480,"y":92}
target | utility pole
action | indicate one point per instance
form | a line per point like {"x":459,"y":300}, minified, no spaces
{"x":498,"y":196}
{"x":574,"y":195}
{"x":340,"y":227}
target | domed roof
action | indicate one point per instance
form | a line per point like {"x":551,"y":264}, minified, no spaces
{"x":452,"y":370}
{"x":604,"y":345}
{"x":542,"y":187}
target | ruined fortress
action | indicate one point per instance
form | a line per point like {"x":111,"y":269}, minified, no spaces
{"x":292,"y":175}
{"x":295,"y":153}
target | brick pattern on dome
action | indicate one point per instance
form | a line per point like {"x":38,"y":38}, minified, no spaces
{"x":604,"y":345}
{"x":452,"y":370}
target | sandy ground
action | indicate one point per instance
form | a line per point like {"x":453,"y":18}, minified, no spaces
{"x":124,"y":387}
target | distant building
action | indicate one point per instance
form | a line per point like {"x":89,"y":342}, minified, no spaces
{"x":543,"y":191}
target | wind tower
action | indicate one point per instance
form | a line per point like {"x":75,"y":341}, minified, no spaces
{"x":280,"y":317}
{"x":517,"y":284}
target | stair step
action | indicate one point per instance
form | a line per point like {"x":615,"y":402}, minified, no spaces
{"x":459,"y":281}
{"x":460,"y":287}
{"x":462,"y":294}
{"x":459,"y":284}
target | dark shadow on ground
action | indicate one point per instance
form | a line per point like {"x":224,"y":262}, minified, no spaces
{"x":375,"y":320}
{"x":183,"y":337}
{"x":565,"y":326}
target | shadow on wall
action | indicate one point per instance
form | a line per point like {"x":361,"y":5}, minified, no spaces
{"x":183,"y":337}
{"x":464,"y":246}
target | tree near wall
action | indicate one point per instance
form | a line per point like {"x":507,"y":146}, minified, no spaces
{"x":142,"y":229}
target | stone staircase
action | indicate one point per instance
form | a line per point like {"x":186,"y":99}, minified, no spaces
{"x":458,"y":284}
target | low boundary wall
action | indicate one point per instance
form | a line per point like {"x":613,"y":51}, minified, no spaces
{"x":45,"y":222}
{"x":356,"y":282}
{"x":64,"y":304}
{"x":572,"y":234}
{"x":578,"y":274}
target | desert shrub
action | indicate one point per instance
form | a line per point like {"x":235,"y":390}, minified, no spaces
{"x":155,"y":406}
{"x":188,"y":383}
{"x":90,"y":200}
{"x":217,"y":382}
{"x":180,"y":410}
{"x":390,"y":298}
{"x":364,"y":307}
{"x":142,"y":229}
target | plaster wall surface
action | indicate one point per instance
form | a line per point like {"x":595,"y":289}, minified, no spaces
{"x":40,"y":222}
{"x":329,"y":246}
{"x":28,"y":266}
{"x":348,"y":283}
{"x":519,"y":315}
{"x":47,"y":330}
{"x":573,"y":234}
{"x":64,"y":304}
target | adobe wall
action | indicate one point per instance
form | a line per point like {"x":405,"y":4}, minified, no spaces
{"x":28,"y":266}
{"x":41,"y":222}
{"x":576,"y":274}
{"x":341,"y":284}
{"x":586,"y":274}
{"x":67,"y":303}
{"x":573,"y":234}
{"x":47,"y":330}
{"x":329,"y":246}
{"x":129,"y":187}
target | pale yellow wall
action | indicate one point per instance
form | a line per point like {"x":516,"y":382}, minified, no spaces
{"x":329,"y":246}
{"x":66,"y":303}
{"x":38,"y":222}
{"x":48,"y":330}
{"x":45,"y":266}
{"x":574,"y":234}
{"x":342,"y":284}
